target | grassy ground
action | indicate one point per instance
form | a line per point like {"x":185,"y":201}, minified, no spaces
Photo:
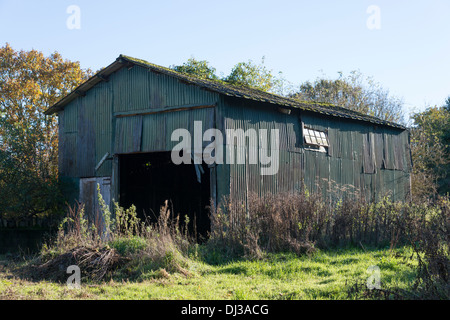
{"x":325,"y":275}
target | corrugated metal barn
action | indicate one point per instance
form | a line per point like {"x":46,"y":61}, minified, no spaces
{"x":116,"y":130}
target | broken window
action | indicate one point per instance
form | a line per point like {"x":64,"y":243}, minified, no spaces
{"x":315,"y":140}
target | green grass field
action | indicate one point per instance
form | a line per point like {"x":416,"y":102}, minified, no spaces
{"x":325,"y":275}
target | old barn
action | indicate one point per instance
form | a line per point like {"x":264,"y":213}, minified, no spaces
{"x":116,"y":130}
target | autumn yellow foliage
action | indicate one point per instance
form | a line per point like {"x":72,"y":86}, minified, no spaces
{"x":29,"y":84}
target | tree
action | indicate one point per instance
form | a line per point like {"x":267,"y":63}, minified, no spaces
{"x":29,"y":84}
{"x":447,"y":104}
{"x":430,"y":151}
{"x":353,"y":92}
{"x":252,"y":75}
{"x":247,"y":74}
{"x":201,"y":69}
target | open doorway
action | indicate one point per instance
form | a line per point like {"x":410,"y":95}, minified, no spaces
{"x":148,"y":179}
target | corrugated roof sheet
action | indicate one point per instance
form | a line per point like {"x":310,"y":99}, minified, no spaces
{"x":220,"y":87}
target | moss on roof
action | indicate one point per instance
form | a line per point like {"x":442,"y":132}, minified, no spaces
{"x":224,"y":88}
{"x":228,"y":89}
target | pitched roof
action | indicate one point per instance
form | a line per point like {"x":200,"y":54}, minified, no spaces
{"x":220,"y":87}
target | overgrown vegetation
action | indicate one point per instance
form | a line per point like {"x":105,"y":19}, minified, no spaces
{"x":120,"y":246}
{"x":29,"y":84}
{"x":101,"y":245}
{"x":302,"y":223}
{"x":430,"y":150}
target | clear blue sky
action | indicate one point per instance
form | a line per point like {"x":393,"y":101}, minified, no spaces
{"x":409,"y":54}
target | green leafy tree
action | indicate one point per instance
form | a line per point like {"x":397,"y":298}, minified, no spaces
{"x":354,"y":92}
{"x":247,"y":74}
{"x":447,"y":104}
{"x":251,"y":75}
{"x":257,"y":76}
{"x":430,"y":150}
{"x":29,"y":84}
{"x":199,"y":68}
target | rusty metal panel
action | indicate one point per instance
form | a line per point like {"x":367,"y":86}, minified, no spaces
{"x":85,"y":141}
{"x":102,"y":114}
{"x":128,"y":134}
{"x":353,"y":167}
{"x":86,"y":134}
{"x":154,"y":132}
{"x":94,"y":131}
{"x":378,"y":144}
{"x":371,"y":151}
{"x":398,"y":152}
{"x":138,"y":88}
{"x":61,"y":144}
{"x":158,"y":127}
{"x":68,"y":132}
{"x":69,"y":157}
{"x":70,"y":116}
{"x":388,"y":154}
{"x":247,"y":177}
{"x":368,"y":153}
{"x":131,"y":89}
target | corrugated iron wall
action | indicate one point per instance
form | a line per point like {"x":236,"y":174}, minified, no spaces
{"x":113,"y":117}
{"x":137,"y":110}
{"x":374,"y":160}
{"x":138,"y":89}
{"x":362,"y":158}
{"x":247,"y":177}
{"x":86,"y":133}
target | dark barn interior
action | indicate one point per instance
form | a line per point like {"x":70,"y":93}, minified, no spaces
{"x":148,"y":179}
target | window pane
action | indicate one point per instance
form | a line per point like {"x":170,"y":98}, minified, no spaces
{"x":308,"y":139}
{"x":315,"y":137}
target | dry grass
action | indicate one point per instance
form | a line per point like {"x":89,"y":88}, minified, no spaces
{"x":287,"y":222}
{"x":101,"y":246}
{"x":95,"y":263}
{"x":300,"y":223}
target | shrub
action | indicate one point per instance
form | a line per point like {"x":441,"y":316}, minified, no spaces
{"x":127,"y":246}
{"x":120,"y":237}
{"x":299,"y":221}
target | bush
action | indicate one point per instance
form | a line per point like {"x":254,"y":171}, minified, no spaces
{"x":430,"y":240}
{"x":119,"y":237}
{"x":300,"y":222}
{"x":127,"y":246}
